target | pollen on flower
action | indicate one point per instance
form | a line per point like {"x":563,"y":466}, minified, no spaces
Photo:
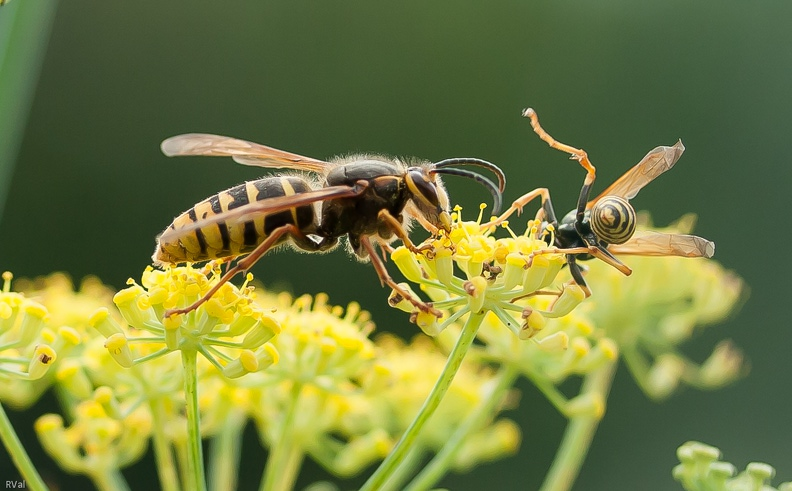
{"x":495,"y":273}
{"x":226,"y":325}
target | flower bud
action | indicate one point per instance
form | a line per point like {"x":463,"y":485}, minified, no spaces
{"x":265,"y":329}
{"x":42,"y":360}
{"x":534,"y":322}
{"x":556,"y":342}
{"x":514,"y":272}
{"x":246,"y":363}
{"x":407,"y":264}
{"x":118,"y":347}
{"x":665,"y":375}
{"x":444,"y":266}
{"x":477,"y":289}
{"x":570,"y":298}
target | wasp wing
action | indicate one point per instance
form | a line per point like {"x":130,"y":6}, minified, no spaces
{"x":265,"y":207}
{"x":648,"y":243}
{"x":655,"y":163}
{"x":243,"y":152}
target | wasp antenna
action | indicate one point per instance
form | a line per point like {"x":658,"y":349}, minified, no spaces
{"x":475,"y":162}
{"x":493,"y":189}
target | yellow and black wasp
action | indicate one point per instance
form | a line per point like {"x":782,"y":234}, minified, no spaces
{"x":369,"y":199}
{"x":606,"y":225}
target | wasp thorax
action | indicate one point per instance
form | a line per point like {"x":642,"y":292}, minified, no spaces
{"x":613,"y":220}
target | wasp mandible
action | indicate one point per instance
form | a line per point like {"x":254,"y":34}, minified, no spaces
{"x":369,"y":199}
{"x":606,"y":225}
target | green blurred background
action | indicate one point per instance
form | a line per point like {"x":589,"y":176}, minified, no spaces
{"x":90,"y":189}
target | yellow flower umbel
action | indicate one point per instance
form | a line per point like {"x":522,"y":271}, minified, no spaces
{"x":471,"y":274}
{"x":469,"y":270}
{"x":29,"y":346}
{"x":96,"y":444}
{"x":302,"y":405}
{"x":659,"y":307}
{"x":66,"y":305}
{"x":229,"y":331}
{"x":563,"y":347}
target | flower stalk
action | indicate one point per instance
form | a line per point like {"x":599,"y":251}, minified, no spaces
{"x":286,"y":453}
{"x":389,"y":466}
{"x":18,"y":454}
{"x":225,"y":455}
{"x":578,"y":434}
{"x":195,"y":463}
{"x":442,"y":461}
{"x":163,"y":453}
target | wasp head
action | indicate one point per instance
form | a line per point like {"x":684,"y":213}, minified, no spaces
{"x":430,"y":196}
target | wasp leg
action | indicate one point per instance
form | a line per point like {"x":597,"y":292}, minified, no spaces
{"x":576,"y":153}
{"x":242,"y":265}
{"x":598,"y":252}
{"x":386,"y":279}
{"x":577,"y":274}
{"x":520,"y":203}
{"x":608,"y":258}
{"x":385,"y":217}
{"x":385,"y":250}
{"x":426,"y":225}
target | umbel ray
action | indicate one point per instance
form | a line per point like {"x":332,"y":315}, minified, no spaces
{"x":606,"y":225}
{"x":369,"y":199}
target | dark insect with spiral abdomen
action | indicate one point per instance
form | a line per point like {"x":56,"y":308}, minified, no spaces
{"x":368,"y":199}
{"x":605,"y":225}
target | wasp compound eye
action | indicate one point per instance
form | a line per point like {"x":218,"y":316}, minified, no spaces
{"x":422,"y":188}
{"x":613,"y":220}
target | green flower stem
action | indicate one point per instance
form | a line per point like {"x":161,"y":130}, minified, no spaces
{"x":195,"y":472}
{"x":180,"y":447}
{"x":637,"y":365}
{"x":550,"y":391}
{"x":109,"y":480}
{"x":578,"y":435}
{"x":406,"y":469}
{"x":438,"y":466}
{"x":286,"y":452}
{"x":399,"y":452}
{"x":18,"y":454}
{"x":225,"y":453}
{"x":163,"y":453}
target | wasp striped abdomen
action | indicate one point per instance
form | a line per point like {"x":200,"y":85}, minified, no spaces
{"x":613,"y":219}
{"x":229,"y":238}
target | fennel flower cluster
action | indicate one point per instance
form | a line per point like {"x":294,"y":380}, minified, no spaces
{"x":660,"y":306}
{"x":229,"y":330}
{"x":701,"y":468}
{"x":468,"y":270}
{"x":317,"y":385}
{"x":530,"y":326}
{"x":306,"y":372}
{"x":410,"y":370}
{"x":30,"y":344}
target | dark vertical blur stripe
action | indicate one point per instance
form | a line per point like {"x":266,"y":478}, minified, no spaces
{"x":24,"y":31}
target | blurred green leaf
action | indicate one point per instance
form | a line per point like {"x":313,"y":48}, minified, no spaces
{"x":24,"y":31}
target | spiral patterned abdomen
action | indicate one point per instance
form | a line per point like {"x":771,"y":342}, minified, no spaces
{"x":613,"y":220}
